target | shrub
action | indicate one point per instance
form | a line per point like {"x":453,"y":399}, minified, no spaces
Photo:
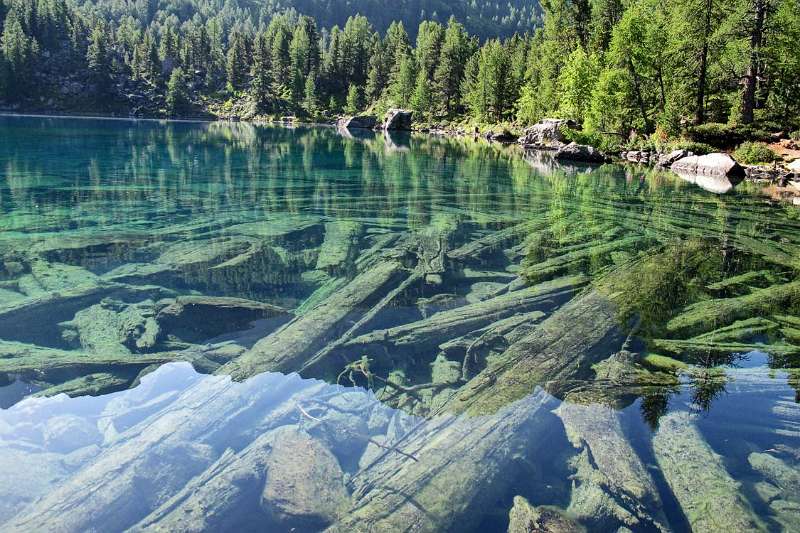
{"x":752,"y":153}
{"x":603,"y":142}
{"x":795,"y":135}
{"x":691,"y":146}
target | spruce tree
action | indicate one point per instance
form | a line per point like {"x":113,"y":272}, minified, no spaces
{"x":177,"y":93}
{"x":99,"y":61}
{"x":353,"y":105}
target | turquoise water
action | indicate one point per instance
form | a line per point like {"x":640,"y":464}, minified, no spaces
{"x":222,"y":326}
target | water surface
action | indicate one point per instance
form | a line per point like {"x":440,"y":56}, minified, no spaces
{"x":214,"y":326}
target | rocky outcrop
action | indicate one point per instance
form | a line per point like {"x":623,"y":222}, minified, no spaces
{"x":504,"y":136}
{"x":579,"y":152}
{"x":359,"y":121}
{"x":666,"y":160}
{"x":398,"y":119}
{"x":545,"y":134}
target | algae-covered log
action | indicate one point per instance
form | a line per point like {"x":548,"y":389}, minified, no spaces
{"x":709,"y":497}
{"x":287,"y":348}
{"x":712,"y":314}
{"x":461,"y":464}
{"x":571,"y":259}
{"x":559,"y":351}
{"x":525,"y":518}
{"x":612,"y":486}
{"x":340,"y":244}
{"x":445,"y":325}
{"x":495,"y":240}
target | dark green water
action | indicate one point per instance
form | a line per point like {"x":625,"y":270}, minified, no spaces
{"x":226,"y":327}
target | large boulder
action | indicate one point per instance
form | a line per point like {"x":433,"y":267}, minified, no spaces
{"x":667,"y":160}
{"x":716,"y":164}
{"x":398,"y":119}
{"x":546,"y":133}
{"x":366,"y":122}
{"x":715,"y":172}
{"x":579,"y":152}
{"x":794,"y":167}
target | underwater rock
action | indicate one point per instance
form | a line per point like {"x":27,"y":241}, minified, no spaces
{"x":305,"y":485}
{"x":525,"y":518}
{"x":611,"y":487}
{"x":709,"y":498}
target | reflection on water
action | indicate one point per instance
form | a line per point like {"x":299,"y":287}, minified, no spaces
{"x":485,"y":339}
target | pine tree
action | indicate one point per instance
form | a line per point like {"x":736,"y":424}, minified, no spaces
{"x":577,"y":82}
{"x":261,"y":86}
{"x":237,"y":65}
{"x":402,"y":88}
{"x":20,"y":52}
{"x":353,"y":105}
{"x":311,"y":99}
{"x":422,"y":99}
{"x":456,"y":50}
{"x":177,"y":93}
{"x":99,"y":61}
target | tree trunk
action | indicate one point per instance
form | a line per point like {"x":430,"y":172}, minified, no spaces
{"x":700,"y":110}
{"x":751,"y":75}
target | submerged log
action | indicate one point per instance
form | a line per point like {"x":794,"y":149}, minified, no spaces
{"x":557,"y":352}
{"x":339,"y":246}
{"x":290,"y":346}
{"x":708,"y":496}
{"x":613,"y":486}
{"x":712,"y":314}
{"x":431,"y":332}
{"x":495,"y":240}
{"x":462,"y":463}
{"x":525,"y":518}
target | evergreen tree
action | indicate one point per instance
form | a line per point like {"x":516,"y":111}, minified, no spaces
{"x":20,"y":52}
{"x":456,"y":49}
{"x":238,"y":60}
{"x":402,"y":88}
{"x":422,"y":99}
{"x":577,"y":81}
{"x":262,"y":82}
{"x":353,"y":105}
{"x":99,"y":61}
{"x":177,"y":93}
{"x":311,"y":99}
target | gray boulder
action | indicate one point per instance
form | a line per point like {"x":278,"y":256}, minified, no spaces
{"x":398,"y":119}
{"x":366,"y":122}
{"x":716,"y":164}
{"x":717,"y":172}
{"x":579,"y":152}
{"x":666,"y":160}
{"x":545,"y":134}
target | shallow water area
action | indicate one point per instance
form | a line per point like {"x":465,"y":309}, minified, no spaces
{"x":232,"y":327}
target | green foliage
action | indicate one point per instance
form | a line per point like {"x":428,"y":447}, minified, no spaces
{"x":605,"y":143}
{"x":353,"y":105}
{"x":177,"y":94}
{"x":752,"y":153}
